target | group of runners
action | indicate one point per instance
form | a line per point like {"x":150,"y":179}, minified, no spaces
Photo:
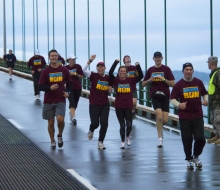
{"x":60,"y":82}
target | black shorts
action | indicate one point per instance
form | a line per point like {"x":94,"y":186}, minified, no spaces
{"x":161,"y":101}
{"x":10,"y":64}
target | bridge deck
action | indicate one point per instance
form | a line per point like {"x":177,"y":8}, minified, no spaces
{"x":141,"y":166}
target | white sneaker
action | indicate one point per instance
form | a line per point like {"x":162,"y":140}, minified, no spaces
{"x":37,"y":97}
{"x":197,"y":162}
{"x":160,"y":143}
{"x":60,"y":141}
{"x":128,"y":140}
{"x":53,"y":145}
{"x":122,"y":145}
{"x":189,"y":164}
{"x":101,"y":145}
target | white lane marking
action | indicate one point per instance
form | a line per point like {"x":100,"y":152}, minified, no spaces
{"x":81,"y":179}
{"x":15,"y":124}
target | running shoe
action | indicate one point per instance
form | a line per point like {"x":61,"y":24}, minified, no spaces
{"x":90,"y":135}
{"x":60,"y":141}
{"x":74,"y":122}
{"x":128,"y":140}
{"x":101,"y":145}
{"x":197,"y":162}
{"x":53,"y":145}
{"x":122,"y":145}
{"x":189,"y":164}
{"x":37,"y":97}
{"x":160,"y":143}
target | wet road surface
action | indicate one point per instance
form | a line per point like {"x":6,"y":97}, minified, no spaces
{"x":140,"y":166}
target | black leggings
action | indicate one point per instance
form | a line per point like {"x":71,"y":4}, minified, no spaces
{"x":36,"y":78}
{"x":99,"y":113}
{"x":74,"y":97}
{"x":124,"y":116}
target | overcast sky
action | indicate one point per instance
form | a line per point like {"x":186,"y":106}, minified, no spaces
{"x":188,"y":30}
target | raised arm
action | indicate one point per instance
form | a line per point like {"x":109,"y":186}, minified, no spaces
{"x":111,"y":71}
{"x":87,"y":72}
{"x":140,"y":73}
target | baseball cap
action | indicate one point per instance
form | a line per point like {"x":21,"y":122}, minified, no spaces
{"x":157,"y":54}
{"x":71,"y":56}
{"x":187,"y":64}
{"x":212,"y":58}
{"x":37,"y":52}
{"x":100,"y":63}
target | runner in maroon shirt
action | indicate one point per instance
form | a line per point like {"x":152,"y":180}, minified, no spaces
{"x":36,"y":64}
{"x":98,"y":101}
{"x":132,"y":72}
{"x":53,"y":80}
{"x":76,"y":74}
{"x":186,"y":95}
{"x":160,"y":79}
{"x":123,"y":100}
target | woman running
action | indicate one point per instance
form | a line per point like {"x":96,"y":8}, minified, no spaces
{"x":98,"y":100}
{"x":76,"y":74}
{"x":123,"y":99}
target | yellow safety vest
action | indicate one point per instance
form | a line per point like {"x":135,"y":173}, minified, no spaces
{"x":211,"y":88}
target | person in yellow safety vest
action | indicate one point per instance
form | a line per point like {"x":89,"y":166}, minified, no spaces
{"x":214,"y":98}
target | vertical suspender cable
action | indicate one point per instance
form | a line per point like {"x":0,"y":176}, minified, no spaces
{"x":48,"y":37}
{"x":88,"y":30}
{"x":13,"y":25}
{"x":119,"y":29}
{"x":145,"y":33}
{"x":65,"y":29}
{"x":103,"y":28}
{"x":4,"y":28}
{"x":37,"y":21}
{"x":22,"y":1}
{"x":74,"y":25}
{"x":53,"y":25}
{"x":165,"y":29}
{"x":24,"y":59}
{"x":34,"y":25}
{"x":211,"y":26}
